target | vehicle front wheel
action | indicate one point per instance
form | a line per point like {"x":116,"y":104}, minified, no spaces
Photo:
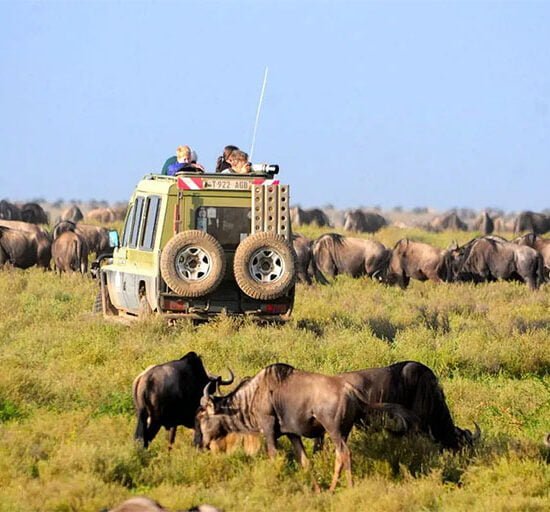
{"x":193,"y":263}
{"x":265,"y":266}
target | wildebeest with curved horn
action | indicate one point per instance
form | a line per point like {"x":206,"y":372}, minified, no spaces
{"x":416,"y":260}
{"x":491,"y":258}
{"x":334,"y":254}
{"x":281,"y":400}
{"x":415,"y":387}
{"x":168,"y":395}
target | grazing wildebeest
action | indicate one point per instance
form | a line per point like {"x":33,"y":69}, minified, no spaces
{"x":312,"y":216}
{"x":96,"y":237}
{"x":167,"y":395}
{"x":448,"y":221}
{"x":416,"y":260}
{"x":33,"y":213}
{"x":23,"y":249}
{"x":415,"y":387}
{"x":363,"y":222}
{"x":334,"y":254}
{"x":537,"y":223}
{"x":38,"y":238}
{"x":72,"y":214}
{"x":281,"y":400}
{"x":492,"y":258}
{"x":9,"y":211}
{"x":302,"y":248}
{"x":542,"y":245}
{"x":70,"y":253}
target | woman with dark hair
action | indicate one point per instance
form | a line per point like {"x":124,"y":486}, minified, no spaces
{"x":222,"y":162}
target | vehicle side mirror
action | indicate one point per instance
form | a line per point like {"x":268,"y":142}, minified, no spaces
{"x":114,"y":241}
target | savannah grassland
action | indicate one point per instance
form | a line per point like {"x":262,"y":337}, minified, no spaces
{"x":66,"y":413}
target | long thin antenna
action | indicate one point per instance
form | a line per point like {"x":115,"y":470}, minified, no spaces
{"x":251,"y":152}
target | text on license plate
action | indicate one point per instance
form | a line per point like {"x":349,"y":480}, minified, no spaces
{"x":226,"y":184}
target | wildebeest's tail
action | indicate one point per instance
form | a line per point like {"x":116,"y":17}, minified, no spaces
{"x":315,"y":248}
{"x":540,"y":270}
{"x":141,"y":411}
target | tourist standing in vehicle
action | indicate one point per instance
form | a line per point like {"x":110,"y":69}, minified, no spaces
{"x":239,"y":163}
{"x":223,"y":161}
{"x":178,"y":161}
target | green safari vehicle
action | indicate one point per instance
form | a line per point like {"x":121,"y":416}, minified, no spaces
{"x":198,"y":245}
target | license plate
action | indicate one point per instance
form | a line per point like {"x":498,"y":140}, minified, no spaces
{"x":224,"y":184}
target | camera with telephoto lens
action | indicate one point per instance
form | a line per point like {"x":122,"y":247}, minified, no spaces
{"x":266,"y":168}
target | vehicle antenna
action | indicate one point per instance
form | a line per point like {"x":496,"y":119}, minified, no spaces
{"x":251,"y":152}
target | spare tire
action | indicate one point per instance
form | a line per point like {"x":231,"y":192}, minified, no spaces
{"x":193,"y":263}
{"x":265,"y":266}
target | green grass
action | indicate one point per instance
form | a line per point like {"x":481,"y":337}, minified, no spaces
{"x":66,"y":415}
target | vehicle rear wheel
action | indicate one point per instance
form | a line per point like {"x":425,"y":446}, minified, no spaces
{"x":193,"y":263}
{"x":265,"y":266}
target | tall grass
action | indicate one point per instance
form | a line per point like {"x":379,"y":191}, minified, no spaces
{"x":66,"y":415}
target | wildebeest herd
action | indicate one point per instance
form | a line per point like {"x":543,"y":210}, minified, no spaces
{"x":482,"y":259}
{"x":280,"y":400}
{"x":25,"y":242}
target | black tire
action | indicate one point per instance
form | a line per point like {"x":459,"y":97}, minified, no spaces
{"x":265,"y":266}
{"x":193,"y":263}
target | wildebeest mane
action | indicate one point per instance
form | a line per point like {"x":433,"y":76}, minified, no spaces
{"x":280,"y":371}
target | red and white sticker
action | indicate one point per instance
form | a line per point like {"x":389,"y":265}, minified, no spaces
{"x":190,"y":183}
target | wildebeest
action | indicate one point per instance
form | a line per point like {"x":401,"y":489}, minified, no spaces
{"x":281,"y":400}
{"x":96,"y":237}
{"x":102,"y":215}
{"x":302,"y":248}
{"x":484,"y":224}
{"x":415,"y":387}
{"x":9,"y":211}
{"x":416,"y":260}
{"x":72,"y":214}
{"x":541,"y":245}
{"x":311,"y":216}
{"x":448,"y":221}
{"x":33,"y":213}
{"x":363,"y":222}
{"x":143,"y":504}
{"x":538,"y":223}
{"x":334,"y":254}
{"x":70,"y":253}
{"x":24,"y":248}
{"x":168,"y":395}
{"x":492,"y":258}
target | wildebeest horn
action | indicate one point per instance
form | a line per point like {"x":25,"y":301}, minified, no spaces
{"x":547,"y":440}
{"x":227,"y":382}
{"x":205,"y":395}
{"x":477,"y":433}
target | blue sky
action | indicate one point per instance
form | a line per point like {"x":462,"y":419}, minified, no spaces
{"x":437,"y":104}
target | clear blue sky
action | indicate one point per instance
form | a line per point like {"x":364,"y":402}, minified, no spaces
{"x":436,"y":104}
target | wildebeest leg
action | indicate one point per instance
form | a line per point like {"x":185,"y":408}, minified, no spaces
{"x":268,"y":429}
{"x":342,"y":460}
{"x":150,"y":432}
{"x":300,"y":452}
{"x":318,"y":443}
{"x":171,"y":437}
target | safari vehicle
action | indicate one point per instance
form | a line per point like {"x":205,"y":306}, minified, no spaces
{"x":197,"y":245}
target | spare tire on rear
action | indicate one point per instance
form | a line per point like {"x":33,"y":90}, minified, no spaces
{"x":193,"y":263}
{"x":265,"y":266}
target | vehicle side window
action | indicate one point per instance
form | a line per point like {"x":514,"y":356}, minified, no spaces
{"x":152,"y":206}
{"x":138,"y":209}
{"x":128,"y":226}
